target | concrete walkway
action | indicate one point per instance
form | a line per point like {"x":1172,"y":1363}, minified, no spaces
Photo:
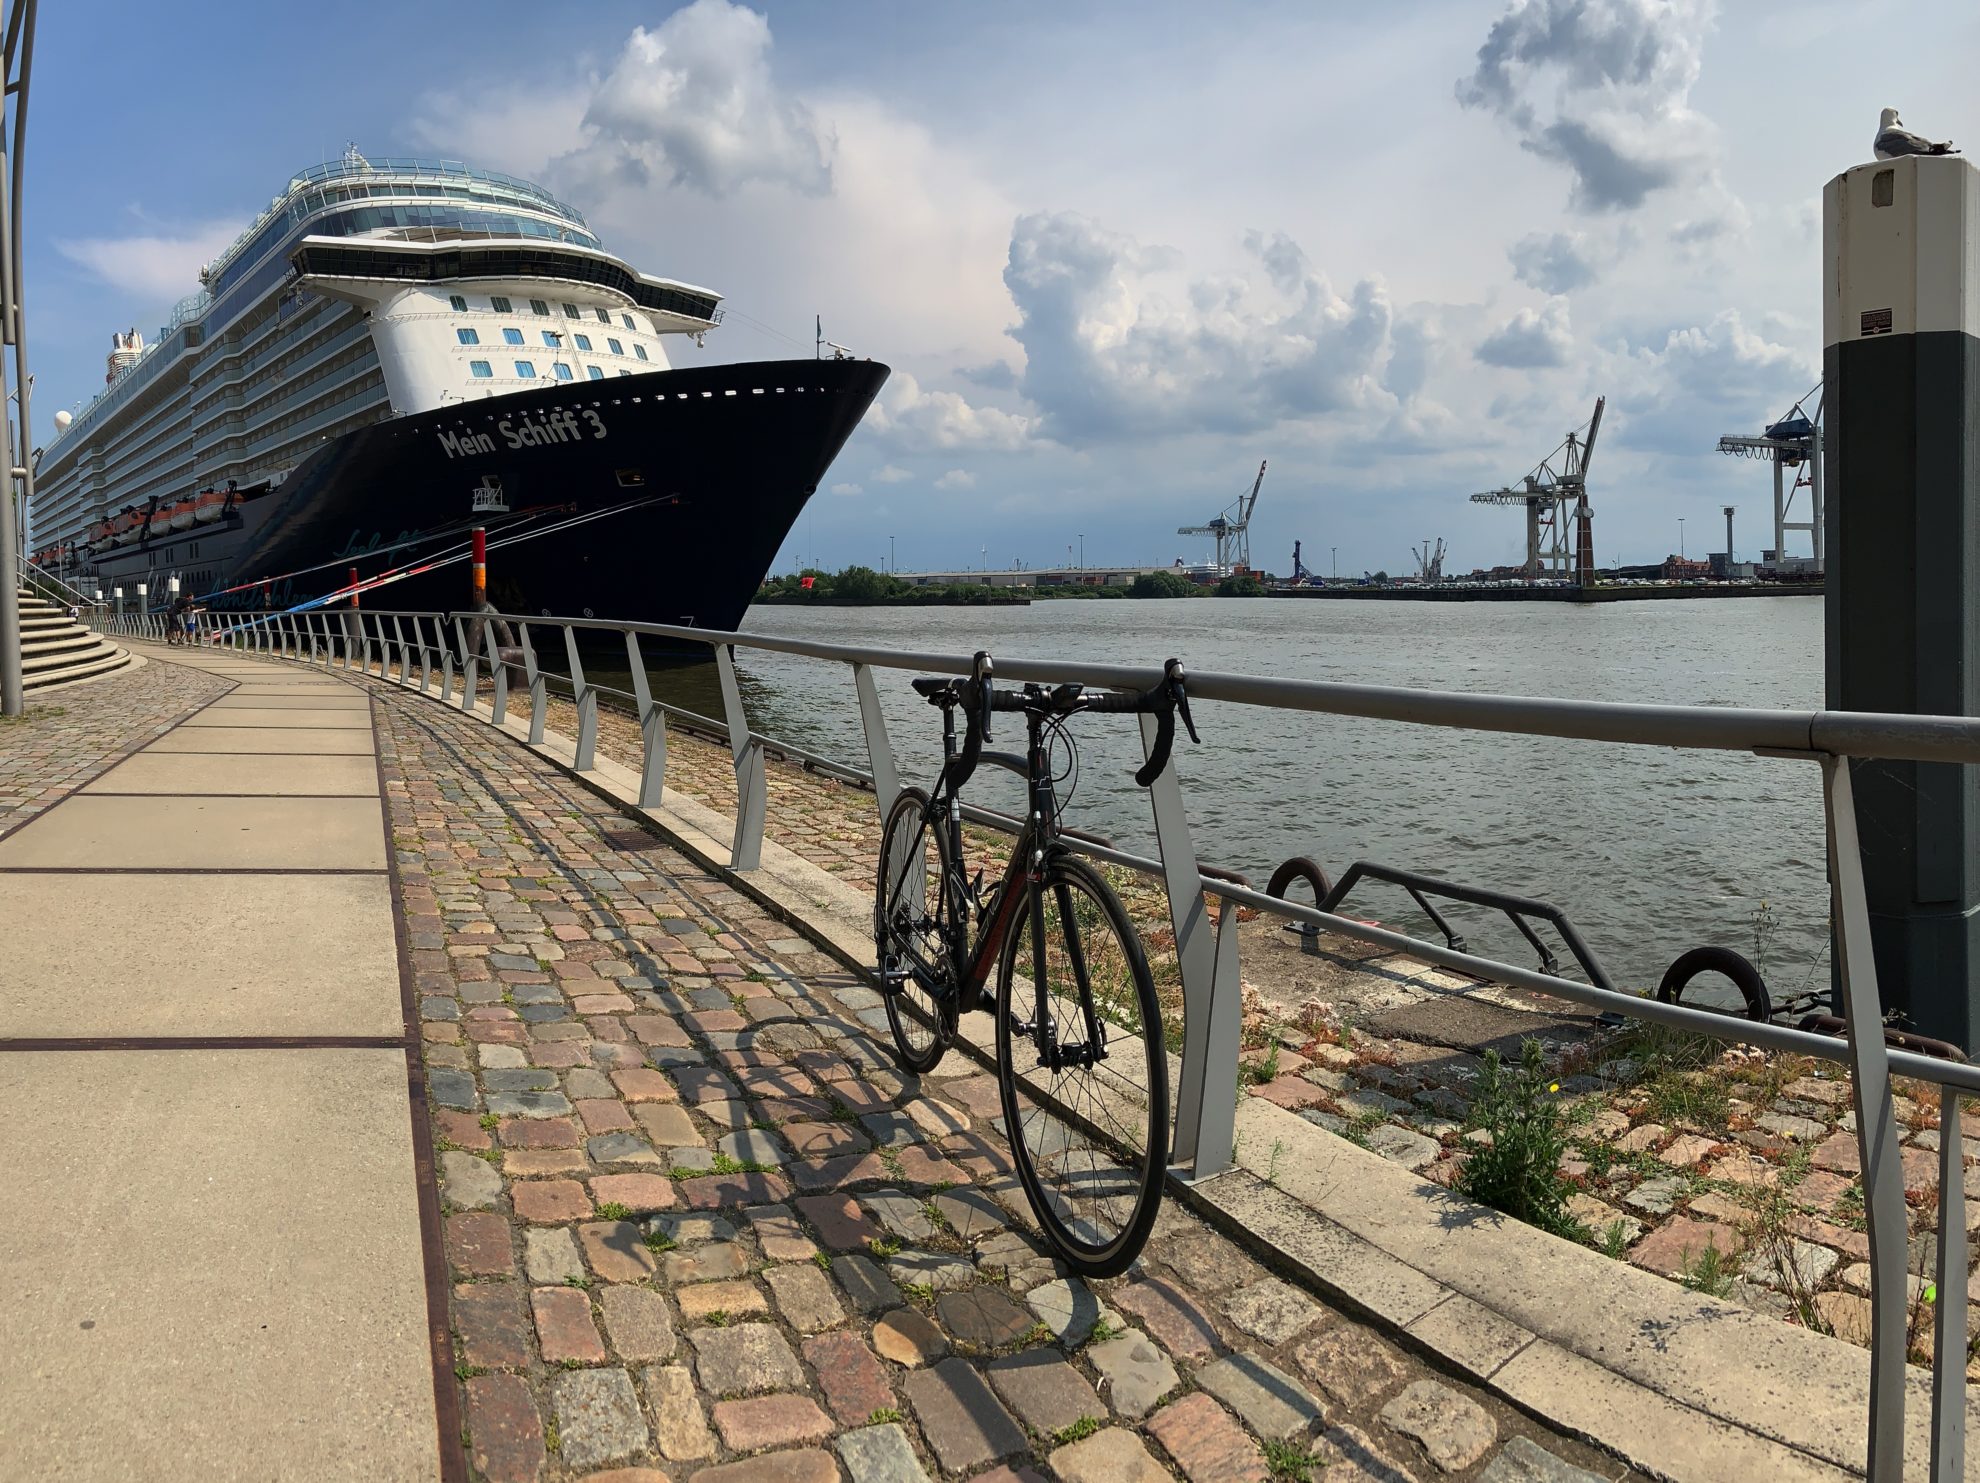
{"x":213,"y":1264}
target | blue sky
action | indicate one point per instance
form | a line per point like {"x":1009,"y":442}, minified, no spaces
{"x":1117,"y":254}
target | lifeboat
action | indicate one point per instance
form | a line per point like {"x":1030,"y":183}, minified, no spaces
{"x":208,"y":505}
{"x":180,"y":516}
{"x":125,"y":528}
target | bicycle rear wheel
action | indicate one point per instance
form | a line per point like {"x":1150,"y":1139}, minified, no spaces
{"x":913,"y":914}
{"x":1090,"y":1142}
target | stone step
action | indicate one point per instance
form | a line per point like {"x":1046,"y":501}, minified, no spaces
{"x":115,"y":660}
{"x":59,"y":659}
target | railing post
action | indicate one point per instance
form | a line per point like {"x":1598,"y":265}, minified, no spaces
{"x":470,"y":680}
{"x":1949,"y":1338}
{"x":1207,"y":956}
{"x":446,"y":659}
{"x":1876,"y":1130}
{"x":498,"y":671}
{"x":879,"y":746}
{"x":537,"y":697}
{"x":425,"y":654}
{"x":586,"y":755}
{"x":652,"y":729}
{"x":746,"y":851}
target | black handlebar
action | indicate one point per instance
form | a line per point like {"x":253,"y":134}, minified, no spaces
{"x":979,"y":699}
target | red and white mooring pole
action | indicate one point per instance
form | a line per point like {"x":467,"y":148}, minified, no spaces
{"x":354,"y":587}
{"x":480,"y":567}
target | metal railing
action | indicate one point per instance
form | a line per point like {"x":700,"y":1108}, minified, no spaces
{"x":457,"y":648}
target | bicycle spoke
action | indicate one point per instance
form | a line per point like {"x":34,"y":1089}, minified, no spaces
{"x":913,"y":904}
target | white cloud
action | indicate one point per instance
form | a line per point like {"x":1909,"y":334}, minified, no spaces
{"x":1553,"y":262}
{"x":956,"y":479}
{"x":1620,"y":74}
{"x":692,"y":103}
{"x":1117,"y":342}
{"x":891,"y":474}
{"x":1677,"y":394}
{"x":910,"y":418}
{"x":848,"y":489}
{"x":1531,"y":339}
{"x":161,"y":266}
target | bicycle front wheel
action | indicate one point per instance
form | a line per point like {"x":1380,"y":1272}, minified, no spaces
{"x":912,"y":917}
{"x":1090,"y":1142}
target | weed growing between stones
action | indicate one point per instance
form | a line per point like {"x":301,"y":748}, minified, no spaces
{"x":613,"y":1210}
{"x":1711,"y":1272}
{"x":1519,"y":1172}
{"x":1077,"y":1431}
{"x":1614,"y":1240}
{"x":883,"y":1416}
{"x":1290,"y":1459}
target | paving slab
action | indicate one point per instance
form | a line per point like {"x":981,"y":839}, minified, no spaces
{"x":212,"y":955}
{"x":316,"y":698}
{"x":187,"y":1293}
{"x":248,"y":739}
{"x":320,"y":719}
{"x":265,"y":774}
{"x":87,"y":832}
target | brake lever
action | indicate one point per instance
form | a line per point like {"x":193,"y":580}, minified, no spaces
{"x":982,"y":670}
{"x":1173,"y":671}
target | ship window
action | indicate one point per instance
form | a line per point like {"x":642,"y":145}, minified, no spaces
{"x":480,"y":368}
{"x":594,"y":373}
{"x":617,"y":348}
{"x":603,"y":317}
{"x":583,"y":341}
{"x":563,"y":371}
{"x":625,"y":373}
{"x":459,"y":303}
{"x":626,"y":320}
{"x":526,"y":369}
{"x":571,"y":311}
{"x":511,"y":336}
{"x":537,"y":306}
{"x":554,"y":340}
{"x":639,"y":350}
{"x":501,"y":305}
{"x":468,"y":337}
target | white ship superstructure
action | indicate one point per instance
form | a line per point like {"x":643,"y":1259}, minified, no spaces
{"x":370,"y":289}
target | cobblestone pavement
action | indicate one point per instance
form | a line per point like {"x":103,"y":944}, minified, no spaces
{"x":1670,"y":1152}
{"x":70,"y":736}
{"x":700,"y":1228}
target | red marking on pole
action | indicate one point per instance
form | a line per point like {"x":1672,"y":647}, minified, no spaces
{"x":480,"y":565}
{"x":354,"y":587}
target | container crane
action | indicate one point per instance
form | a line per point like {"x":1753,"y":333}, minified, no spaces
{"x":1793,"y":442}
{"x":1300,"y":575}
{"x":1232,"y":529}
{"x":1429,"y":564}
{"x":1552,"y":498}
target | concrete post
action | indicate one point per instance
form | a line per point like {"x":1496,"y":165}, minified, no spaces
{"x":1901,"y":361}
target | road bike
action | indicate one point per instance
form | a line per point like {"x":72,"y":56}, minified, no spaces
{"x":1081,"y":1058}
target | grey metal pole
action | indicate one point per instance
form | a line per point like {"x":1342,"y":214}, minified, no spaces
{"x":1901,"y":373}
{"x":16,"y":461}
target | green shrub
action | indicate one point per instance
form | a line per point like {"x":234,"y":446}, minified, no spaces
{"x":1519,"y":1172}
{"x":1163,"y":584}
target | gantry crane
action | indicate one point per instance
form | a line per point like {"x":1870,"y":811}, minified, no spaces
{"x":1429,"y":564}
{"x":1300,"y":573}
{"x":1794,"y":442}
{"x":1552,"y":498}
{"x":1232,"y":528}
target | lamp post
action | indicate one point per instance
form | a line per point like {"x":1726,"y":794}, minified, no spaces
{"x":1335,"y":553}
{"x":1680,"y":538}
{"x":17,"y":473}
{"x":891,"y":567}
{"x":1082,"y":550}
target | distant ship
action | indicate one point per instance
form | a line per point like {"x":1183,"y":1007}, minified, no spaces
{"x":398,"y":350}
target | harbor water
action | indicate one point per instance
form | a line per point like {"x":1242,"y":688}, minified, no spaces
{"x":1649,"y":850}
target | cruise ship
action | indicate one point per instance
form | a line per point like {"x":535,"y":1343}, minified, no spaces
{"x":397,"y":351}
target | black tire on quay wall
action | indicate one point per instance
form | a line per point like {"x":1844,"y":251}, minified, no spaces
{"x":1722,"y":960}
{"x":1299,"y":868}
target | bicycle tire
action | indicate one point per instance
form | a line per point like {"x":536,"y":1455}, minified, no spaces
{"x":1112,"y":1253}
{"x":1721,"y":960}
{"x":929,"y":1026}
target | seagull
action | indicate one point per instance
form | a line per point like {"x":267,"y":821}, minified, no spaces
{"x":1895,"y":140}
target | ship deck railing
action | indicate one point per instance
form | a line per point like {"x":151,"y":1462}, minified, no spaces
{"x":455,"y":651}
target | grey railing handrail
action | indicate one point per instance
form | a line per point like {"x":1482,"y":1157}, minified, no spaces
{"x":1723,"y":728}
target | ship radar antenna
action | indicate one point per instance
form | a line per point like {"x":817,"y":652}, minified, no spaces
{"x":352,"y":158}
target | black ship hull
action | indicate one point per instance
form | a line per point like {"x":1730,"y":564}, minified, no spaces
{"x":695,"y":477}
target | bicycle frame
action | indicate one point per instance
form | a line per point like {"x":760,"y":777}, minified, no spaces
{"x":1032,"y":853}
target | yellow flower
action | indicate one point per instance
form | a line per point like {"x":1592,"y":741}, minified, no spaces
{"x":1553,"y":1086}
